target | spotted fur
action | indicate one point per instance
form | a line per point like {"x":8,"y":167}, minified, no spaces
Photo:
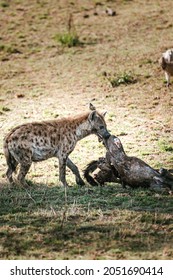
{"x":37,"y":141}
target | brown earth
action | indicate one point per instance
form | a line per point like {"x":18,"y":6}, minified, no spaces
{"x":41,"y":79}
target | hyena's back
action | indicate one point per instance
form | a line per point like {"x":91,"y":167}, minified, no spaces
{"x":34,"y":142}
{"x":37,"y":141}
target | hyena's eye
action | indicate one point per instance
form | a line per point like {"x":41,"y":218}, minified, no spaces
{"x":101,"y":127}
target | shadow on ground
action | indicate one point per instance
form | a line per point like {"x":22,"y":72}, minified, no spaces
{"x":96,"y":223}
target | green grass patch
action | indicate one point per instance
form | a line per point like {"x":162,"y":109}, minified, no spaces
{"x":97,"y":223}
{"x":68,"y":39}
{"x":4,"y":4}
{"x":9,"y":49}
{"x":122,"y":79}
{"x":165,"y":146}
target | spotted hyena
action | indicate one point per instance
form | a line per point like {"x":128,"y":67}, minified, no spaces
{"x":37,"y":141}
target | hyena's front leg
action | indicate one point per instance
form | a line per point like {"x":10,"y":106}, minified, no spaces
{"x":75,"y":171}
{"x":62,"y":171}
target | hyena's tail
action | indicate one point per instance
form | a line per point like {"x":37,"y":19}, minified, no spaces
{"x":11,"y":162}
{"x":91,"y":167}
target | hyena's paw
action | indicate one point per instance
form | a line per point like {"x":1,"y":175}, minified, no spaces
{"x":23,"y":184}
{"x":80,"y":182}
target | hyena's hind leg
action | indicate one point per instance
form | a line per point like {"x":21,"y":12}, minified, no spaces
{"x":75,"y":171}
{"x":24,"y":168}
{"x":11,"y":163}
{"x":11,"y":168}
{"x":23,"y":156}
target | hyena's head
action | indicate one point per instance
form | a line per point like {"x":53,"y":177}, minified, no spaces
{"x":98,"y":124}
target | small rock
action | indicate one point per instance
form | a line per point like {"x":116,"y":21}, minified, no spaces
{"x":86,"y":16}
{"x":20,"y":95}
{"x":110,"y":12}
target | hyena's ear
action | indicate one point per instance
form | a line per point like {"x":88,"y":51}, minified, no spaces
{"x":91,"y":116}
{"x":92,"y":107}
{"x":104,"y":114}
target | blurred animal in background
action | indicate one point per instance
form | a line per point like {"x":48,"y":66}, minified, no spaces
{"x":166,"y":62}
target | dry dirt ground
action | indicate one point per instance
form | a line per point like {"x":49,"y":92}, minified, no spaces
{"x":42,"y":79}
